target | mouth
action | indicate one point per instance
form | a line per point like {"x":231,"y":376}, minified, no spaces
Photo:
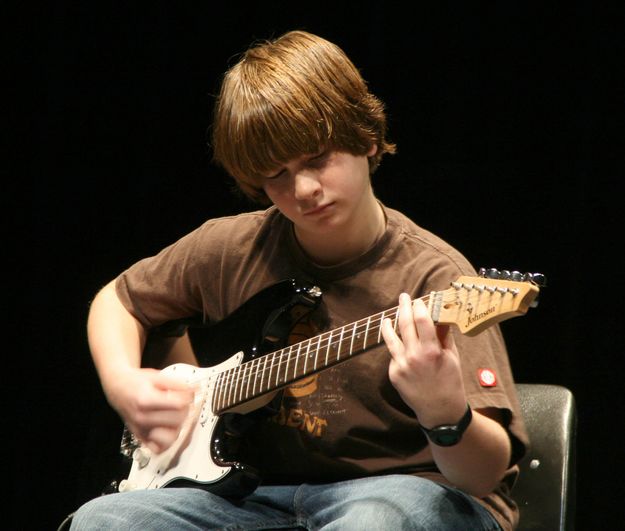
{"x":317,"y":210}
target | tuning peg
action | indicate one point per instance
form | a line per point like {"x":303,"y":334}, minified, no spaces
{"x":536,"y":278}
{"x":516,"y":276}
{"x":489,"y":273}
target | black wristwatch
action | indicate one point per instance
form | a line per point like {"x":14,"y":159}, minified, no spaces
{"x":449,"y":434}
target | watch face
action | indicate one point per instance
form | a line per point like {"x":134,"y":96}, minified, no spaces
{"x":445,"y":436}
{"x":449,"y":434}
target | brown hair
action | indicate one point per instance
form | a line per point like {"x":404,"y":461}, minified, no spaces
{"x":288,"y":97}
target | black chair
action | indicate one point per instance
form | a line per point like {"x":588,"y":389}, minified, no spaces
{"x":545,"y":490}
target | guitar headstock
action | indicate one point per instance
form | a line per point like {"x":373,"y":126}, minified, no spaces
{"x":475,"y":303}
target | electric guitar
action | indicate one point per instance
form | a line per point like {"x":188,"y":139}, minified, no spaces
{"x":264,"y":363}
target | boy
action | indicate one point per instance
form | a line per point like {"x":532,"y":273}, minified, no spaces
{"x":350,"y":447}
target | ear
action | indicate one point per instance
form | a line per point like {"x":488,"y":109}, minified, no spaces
{"x":372,"y":150}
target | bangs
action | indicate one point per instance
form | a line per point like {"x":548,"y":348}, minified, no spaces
{"x":271,"y":129}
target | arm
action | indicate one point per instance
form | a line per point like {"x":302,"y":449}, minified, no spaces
{"x":152,"y":405}
{"x":425,"y":370}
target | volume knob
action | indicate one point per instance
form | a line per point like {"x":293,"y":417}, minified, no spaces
{"x":141,"y":456}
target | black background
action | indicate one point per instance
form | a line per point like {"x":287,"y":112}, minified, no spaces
{"x":508,"y":119}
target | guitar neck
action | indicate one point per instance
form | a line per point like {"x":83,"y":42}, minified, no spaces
{"x":472,"y":304}
{"x":283,"y":367}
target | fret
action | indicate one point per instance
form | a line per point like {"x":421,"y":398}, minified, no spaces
{"x":268,"y":374}
{"x":380,"y":327}
{"x":217,"y":393}
{"x":310,"y":348}
{"x":241,"y":381}
{"x":249,"y":377}
{"x":297,"y":360}
{"x":279,"y":368}
{"x":306,"y":358}
{"x":248,"y":380}
{"x":225,"y":387}
{"x":351,"y":344}
{"x":232,"y":385}
{"x":277,"y":384}
{"x":338,"y":350}
{"x":273,"y":357}
{"x":305,"y":363}
{"x":256,"y":373}
{"x":355,"y":346}
{"x":245,"y":382}
{"x":328,"y":348}
{"x":288,"y":360}
{"x":364,"y":341}
{"x":276,"y":365}
{"x":263,"y":385}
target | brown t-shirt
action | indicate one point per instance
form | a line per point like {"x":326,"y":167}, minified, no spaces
{"x":347,"y":421}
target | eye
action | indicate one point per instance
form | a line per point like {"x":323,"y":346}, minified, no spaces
{"x":319,"y":160}
{"x":275,"y":175}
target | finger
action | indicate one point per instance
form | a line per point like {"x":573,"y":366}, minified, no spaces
{"x":165,"y":418}
{"x":406,"y":324}
{"x":169,"y":393}
{"x":172,"y":383}
{"x":159,"y":439}
{"x":445,"y":337}
{"x":164,"y":401}
{"x":423,"y":323}
{"x":393,"y":343}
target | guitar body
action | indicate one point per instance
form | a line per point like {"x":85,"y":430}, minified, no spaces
{"x":263,"y":324}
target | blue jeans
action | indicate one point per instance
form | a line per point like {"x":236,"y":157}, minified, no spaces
{"x":390,"y":503}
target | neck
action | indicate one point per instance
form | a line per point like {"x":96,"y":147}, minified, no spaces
{"x":351,"y":241}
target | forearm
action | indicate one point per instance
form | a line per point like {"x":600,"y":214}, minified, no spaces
{"x":478,"y":462}
{"x":425,"y":369}
{"x":116,"y":338}
{"x":152,"y":404}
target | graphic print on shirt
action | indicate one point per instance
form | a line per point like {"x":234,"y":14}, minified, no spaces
{"x":310,"y":404}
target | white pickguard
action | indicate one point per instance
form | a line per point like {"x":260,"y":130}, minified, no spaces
{"x":189,"y":458}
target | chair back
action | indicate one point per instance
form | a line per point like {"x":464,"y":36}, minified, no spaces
{"x":545,"y":490}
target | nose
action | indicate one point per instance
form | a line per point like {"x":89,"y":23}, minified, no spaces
{"x":307,"y":185}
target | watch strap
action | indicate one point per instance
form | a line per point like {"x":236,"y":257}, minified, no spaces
{"x":449,"y":434}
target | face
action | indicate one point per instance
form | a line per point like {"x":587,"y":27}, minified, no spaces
{"x":322,"y":192}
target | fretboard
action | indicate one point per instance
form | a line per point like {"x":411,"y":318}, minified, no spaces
{"x":283,"y":367}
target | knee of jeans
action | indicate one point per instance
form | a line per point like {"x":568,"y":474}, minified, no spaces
{"x":91,"y":515}
{"x":387,"y":515}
